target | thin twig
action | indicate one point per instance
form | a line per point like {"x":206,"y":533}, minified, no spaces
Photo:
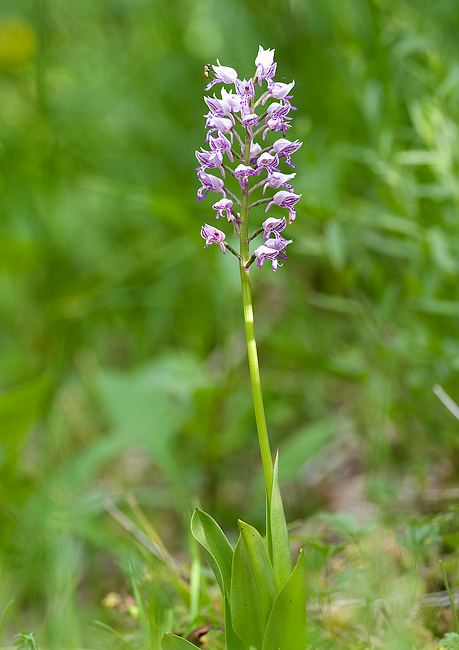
{"x":132,"y":529}
{"x":446,"y":400}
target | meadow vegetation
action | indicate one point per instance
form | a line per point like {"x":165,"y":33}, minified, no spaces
{"x":125,"y":398}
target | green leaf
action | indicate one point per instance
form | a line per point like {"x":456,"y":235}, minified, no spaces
{"x":19,"y":255}
{"x":286,"y":628}
{"x":26,"y":640}
{"x":4,"y":615}
{"x":327,"y":551}
{"x":452,"y":540}
{"x":336,"y":244}
{"x":20,"y":407}
{"x":173,"y":642}
{"x":304,"y":444}
{"x":450,"y":641}
{"x":232,"y":641}
{"x":220,"y":556}
{"x":433,"y":306}
{"x":160,"y":616}
{"x":134,"y":399}
{"x":278,"y":543}
{"x":218,"y":549}
{"x":253,"y":586}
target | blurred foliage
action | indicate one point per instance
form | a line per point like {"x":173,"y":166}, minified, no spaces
{"x":123,"y":362}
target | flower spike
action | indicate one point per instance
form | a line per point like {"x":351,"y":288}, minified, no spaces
{"x":234,"y":121}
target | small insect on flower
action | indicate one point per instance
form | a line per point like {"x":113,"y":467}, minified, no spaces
{"x":207,"y":71}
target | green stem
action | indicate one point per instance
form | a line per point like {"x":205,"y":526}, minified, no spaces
{"x":255,"y":380}
{"x":257,"y":395}
{"x":450,"y":596}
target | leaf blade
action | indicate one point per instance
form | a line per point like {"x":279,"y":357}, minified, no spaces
{"x":253,"y":586}
{"x":286,"y":626}
{"x":174,"y":642}
{"x":279,"y":542}
{"x":219,"y":551}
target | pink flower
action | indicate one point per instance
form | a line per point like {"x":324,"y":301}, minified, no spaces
{"x":213,"y":236}
{"x":285,"y":200}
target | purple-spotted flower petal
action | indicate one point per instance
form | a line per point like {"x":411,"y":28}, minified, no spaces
{"x":285,"y":200}
{"x":279,"y":90}
{"x":222,"y":144}
{"x":267,"y":161}
{"x":209,"y":182}
{"x":276,"y":118}
{"x":273,"y":226}
{"x":279,"y":109}
{"x":221,"y":124}
{"x":284,"y":149}
{"x":224,"y":205}
{"x":245,"y":88}
{"x":276,"y":124}
{"x":251,"y":119}
{"x":242,"y":173}
{"x":266,"y":68}
{"x":218,"y":107}
{"x":213,"y":236}
{"x":263,"y":253}
{"x":223,"y":74}
{"x":254,"y":152}
{"x":212,"y":159}
{"x":276,"y":180}
{"x":272,"y":249}
{"x":246,"y":91}
{"x":232,"y":100}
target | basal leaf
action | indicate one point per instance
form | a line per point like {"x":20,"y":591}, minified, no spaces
{"x":232,"y":641}
{"x":173,"y":642}
{"x":280,"y":547}
{"x":286,"y":625}
{"x":218,"y":549}
{"x":253,"y":586}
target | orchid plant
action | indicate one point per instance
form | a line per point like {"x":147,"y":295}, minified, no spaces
{"x":264,"y":599}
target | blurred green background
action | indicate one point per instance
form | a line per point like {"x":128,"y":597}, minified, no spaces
{"x":123,"y":368}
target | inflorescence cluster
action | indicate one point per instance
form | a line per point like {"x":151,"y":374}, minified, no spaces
{"x":232,"y":125}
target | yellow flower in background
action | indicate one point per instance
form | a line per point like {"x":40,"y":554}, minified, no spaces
{"x":18,"y":45}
